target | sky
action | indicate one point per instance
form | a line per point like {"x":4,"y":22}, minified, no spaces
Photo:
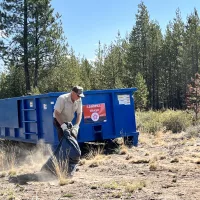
{"x":86,"y":22}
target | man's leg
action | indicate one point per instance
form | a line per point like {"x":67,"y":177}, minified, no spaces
{"x":72,"y":165}
{"x":58,"y":128}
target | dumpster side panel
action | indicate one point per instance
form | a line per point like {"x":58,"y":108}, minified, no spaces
{"x":96,"y":129}
{"x":48,"y":132}
{"x":9,"y":113}
{"x":124,"y":114}
{"x":29,"y":116}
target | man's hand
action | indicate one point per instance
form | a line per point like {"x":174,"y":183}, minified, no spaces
{"x":64,"y":126}
{"x":76,"y":126}
{"x":74,"y":130}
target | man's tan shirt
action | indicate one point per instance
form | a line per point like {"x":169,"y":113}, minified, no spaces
{"x":67,"y":108}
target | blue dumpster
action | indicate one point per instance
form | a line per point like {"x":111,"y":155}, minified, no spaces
{"x":107,"y":114}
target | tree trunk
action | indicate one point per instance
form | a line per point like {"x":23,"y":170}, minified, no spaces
{"x":37,"y":53}
{"x":26,"y":71}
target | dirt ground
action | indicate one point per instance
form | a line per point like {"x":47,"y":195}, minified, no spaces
{"x":163,"y":167}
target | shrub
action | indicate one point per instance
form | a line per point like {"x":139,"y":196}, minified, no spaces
{"x":176,"y":121}
{"x":192,"y":131}
{"x":170,"y":120}
{"x":148,"y":121}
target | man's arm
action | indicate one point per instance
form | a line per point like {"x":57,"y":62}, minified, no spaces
{"x":57,"y":115}
{"x":78,"y":119}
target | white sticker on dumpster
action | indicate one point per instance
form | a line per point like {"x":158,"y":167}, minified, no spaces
{"x":31,"y":104}
{"x":44,"y":106}
{"x":124,"y":99}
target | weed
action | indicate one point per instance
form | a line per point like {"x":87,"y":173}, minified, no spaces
{"x":82,"y":162}
{"x":59,"y":167}
{"x":68,"y":195}
{"x":94,"y":163}
{"x":123,"y":150}
{"x":113,"y":185}
{"x":93,"y":187}
{"x":12,"y":172}
{"x":128,"y":157}
{"x":175,"y":160}
{"x":131,"y":187}
{"x":139,"y":161}
{"x":63,"y":181}
{"x":153,"y":167}
{"x":117,"y":194}
{"x":3,"y":174}
{"x":11,"y":197}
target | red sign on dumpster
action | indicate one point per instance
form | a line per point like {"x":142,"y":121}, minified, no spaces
{"x":94,"y":113}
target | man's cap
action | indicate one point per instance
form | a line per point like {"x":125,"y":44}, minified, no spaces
{"x":78,"y":90}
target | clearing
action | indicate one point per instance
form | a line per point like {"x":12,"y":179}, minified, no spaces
{"x":164,"y":166}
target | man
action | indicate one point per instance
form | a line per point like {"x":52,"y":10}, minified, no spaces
{"x":65,"y":107}
{"x":64,"y":110}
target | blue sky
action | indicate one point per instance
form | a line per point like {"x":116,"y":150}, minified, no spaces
{"x":85,"y":22}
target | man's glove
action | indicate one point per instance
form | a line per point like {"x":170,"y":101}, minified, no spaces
{"x":69,"y":125}
{"x":74,"y":130}
{"x":64,"y":126}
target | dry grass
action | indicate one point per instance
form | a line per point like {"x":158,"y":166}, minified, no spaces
{"x":128,"y":186}
{"x":94,"y":152}
{"x":8,"y":194}
{"x":60,"y":168}
{"x":139,"y":161}
{"x":131,"y":187}
{"x":108,"y":179}
{"x":123,"y":150}
{"x":153,"y":166}
{"x":112,"y":185}
{"x":128,"y":157}
{"x":195,"y":155}
{"x":68,"y":195}
{"x":95,"y":157}
{"x":175,"y":160}
{"x":117,"y":194}
{"x":2,"y":160}
{"x":2,"y":174}
{"x":82,"y":162}
{"x":8,"y":159}
{"x":159,"y":138}
{"x":146,"y":139}
{"x":12,"y":162}
{"x":14,"y":158}
{"x":63,"y":181}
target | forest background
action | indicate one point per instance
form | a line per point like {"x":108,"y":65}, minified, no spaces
{"x":38,"y":59}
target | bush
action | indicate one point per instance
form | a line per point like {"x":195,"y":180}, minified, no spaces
{"x":192,"y":131}
{"x":176,"y":121}
{"x":149,"y":122}
{"x":152,"y":122}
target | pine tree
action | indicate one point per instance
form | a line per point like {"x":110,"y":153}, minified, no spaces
{"x":113,"y":68}
{"x":34,"y":38}
{"x":141,"y":96}
{"x":14,"y":24}
{"x":137,"y":59}
{"x":46,"y":37}
{"x":193,"y":95}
